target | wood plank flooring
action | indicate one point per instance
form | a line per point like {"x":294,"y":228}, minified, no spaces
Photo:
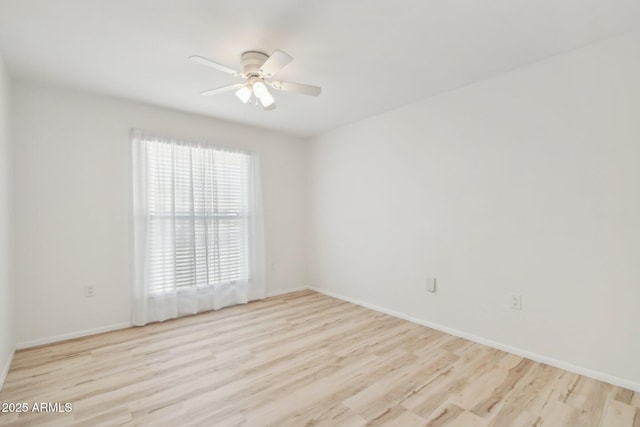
{"x":301,"y":359}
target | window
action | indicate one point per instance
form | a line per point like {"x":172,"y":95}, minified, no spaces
{"x":195,"y":218}
{"x":198,"y":211}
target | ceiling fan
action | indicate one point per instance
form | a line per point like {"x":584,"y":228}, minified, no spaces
{"x":258,"y":71}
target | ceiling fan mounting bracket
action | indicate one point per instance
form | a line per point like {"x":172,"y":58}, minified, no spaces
{"x":252,"y":61}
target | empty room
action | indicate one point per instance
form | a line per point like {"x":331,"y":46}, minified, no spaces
{"x":320,"y":213}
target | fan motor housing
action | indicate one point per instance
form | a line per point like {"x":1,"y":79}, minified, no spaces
{"x":252,"y":61}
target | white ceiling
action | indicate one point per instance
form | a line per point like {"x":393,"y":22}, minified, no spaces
{"x":369,"y":56}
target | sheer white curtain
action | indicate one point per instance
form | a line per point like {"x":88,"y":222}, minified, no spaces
{"x":198,"y":235}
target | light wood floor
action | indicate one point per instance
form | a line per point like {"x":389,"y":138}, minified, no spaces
{"x":299,"y":360}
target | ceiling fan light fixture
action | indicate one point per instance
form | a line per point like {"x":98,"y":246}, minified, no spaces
{"x":244,"y":94}
{"x":262,"y":93}
{"x":258,"y":69}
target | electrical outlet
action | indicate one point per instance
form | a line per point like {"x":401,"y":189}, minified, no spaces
{"x":516,"y":302}
{"x":89,"y":291}
{"x":431,"y":284}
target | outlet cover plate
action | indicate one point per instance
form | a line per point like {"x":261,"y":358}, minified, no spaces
{"x":516,"y":302}
{"x":431,"y":284}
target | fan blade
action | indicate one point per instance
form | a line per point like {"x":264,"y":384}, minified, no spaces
{"x":270,"y":107}
{"x":296,"y":87}
{"x":275,"y":63}
{"x":222,"y":89}
{"x":209,"y":63}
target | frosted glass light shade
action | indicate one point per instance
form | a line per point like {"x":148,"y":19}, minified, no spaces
{"x":244,"y":93}
{"x":261,"y":92}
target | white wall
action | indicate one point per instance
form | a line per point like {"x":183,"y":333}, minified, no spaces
{"x":526,"y":183}
{"x":73,"y":204}
{"x":7,"y":326}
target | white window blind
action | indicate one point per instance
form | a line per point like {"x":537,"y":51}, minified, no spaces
{"x":198,"y":212}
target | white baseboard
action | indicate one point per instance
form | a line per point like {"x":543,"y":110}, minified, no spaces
{"x":5,"y":369}
{"x":597,"y":375}
{"x":109,"y":328}
{"x":285,"y":291}
{"x":71,"y":335}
